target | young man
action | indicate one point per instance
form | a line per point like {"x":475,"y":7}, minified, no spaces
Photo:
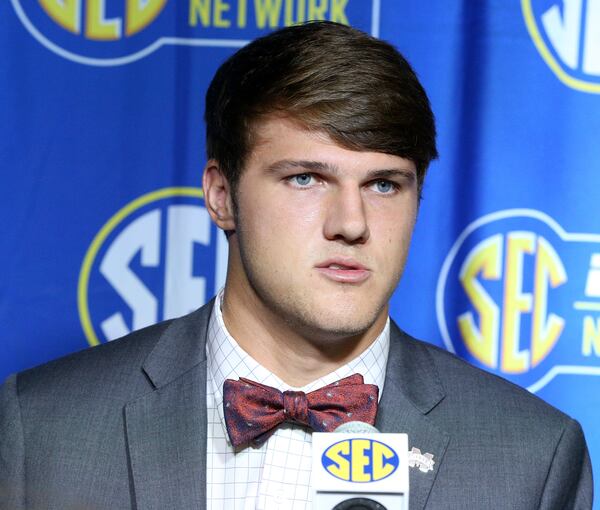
{"x":319,"y":137}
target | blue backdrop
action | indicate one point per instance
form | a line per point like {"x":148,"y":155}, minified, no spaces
{"x":102,"y":147}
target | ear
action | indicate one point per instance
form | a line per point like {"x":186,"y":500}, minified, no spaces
{"x":217,"y":196}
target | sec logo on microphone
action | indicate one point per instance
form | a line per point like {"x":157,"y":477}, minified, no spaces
{"x":360,"y":460}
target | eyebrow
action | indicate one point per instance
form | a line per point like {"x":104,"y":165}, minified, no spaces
{"x":313,"y":166}
{"x":406,"y":174}
{"x":320,"y":167}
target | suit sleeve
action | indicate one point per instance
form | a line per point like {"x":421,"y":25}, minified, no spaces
{"x":12,"y":473}
{"x":569,"y":482}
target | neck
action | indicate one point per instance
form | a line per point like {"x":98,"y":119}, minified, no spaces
{"x":282,"y":348}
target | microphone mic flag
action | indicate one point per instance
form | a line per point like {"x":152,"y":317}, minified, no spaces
{"x":356,"y":467}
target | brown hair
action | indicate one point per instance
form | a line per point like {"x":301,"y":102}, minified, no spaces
{"x":328,"y":77}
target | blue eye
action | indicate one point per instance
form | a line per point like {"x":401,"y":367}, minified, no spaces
{"x":302,"y":179}
{"x":384,"y":186}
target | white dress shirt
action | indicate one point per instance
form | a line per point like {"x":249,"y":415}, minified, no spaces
{"x":275,"y":475}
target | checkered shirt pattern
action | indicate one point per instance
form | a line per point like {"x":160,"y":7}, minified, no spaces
{"x":275,"y":475}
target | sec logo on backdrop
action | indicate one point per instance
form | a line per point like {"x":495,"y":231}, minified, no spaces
{"x":567,"y":36}
{"x":118,"y":32}
{"x":157,"y":258}
{"x":360,"y":460}
{"x":520,"y":296}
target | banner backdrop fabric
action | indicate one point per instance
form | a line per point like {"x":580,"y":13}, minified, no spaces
{"x":103,"y":224}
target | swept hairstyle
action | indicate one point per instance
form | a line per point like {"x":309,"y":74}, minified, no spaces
{"x":327,"y":77}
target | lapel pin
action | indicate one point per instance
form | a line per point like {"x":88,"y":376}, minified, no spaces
{"x":424,"y":461}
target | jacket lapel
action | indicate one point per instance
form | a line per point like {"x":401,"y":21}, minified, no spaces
{"x":166,"y":429}
{"x":412,"y":389}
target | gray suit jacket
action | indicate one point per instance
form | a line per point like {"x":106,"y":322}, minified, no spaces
{"x":123,"y":425}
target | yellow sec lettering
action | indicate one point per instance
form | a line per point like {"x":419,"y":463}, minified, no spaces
{"x":591,"y":336}
{"x":97,"y":26}
{"x":482,"y":342}
{"x":341,"y":465}
{"x":516,"y":302}
{"x":546,"y":328}
{"x":316,"y":9}
{"x":267,"y":11}
{"x":199,"y":11}
{"x":288,"y":13}
{"x":67,"y":13}
{"x":220,"y":8}
{"x":242,"y":13}
{"x":223,"y":13}
{"x":140,"y":14}
{"x":300,"y":11}
{"x":380,"y":455}
{"x":338,"y":11}
{"x":360,"y":460}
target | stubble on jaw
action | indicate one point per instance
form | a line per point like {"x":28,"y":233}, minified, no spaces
{"x":332,"y":334}
{"x":286,"y":332}
{"x":336,"y":328}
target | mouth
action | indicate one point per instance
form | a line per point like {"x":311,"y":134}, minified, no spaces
{"x":343,"y":270}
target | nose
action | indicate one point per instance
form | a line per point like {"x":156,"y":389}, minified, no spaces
{"x":346,"y":217}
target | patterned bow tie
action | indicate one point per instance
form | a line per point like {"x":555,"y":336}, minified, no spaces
{"x":253,"y":411}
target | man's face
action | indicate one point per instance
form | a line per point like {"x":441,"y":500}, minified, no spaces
{"x":321,"y":232}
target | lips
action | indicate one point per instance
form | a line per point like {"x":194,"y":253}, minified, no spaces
{"x":343,"y":270}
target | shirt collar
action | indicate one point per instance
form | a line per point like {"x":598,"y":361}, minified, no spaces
{"x":227,"y":360}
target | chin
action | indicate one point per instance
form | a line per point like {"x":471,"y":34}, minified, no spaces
{"x":338,"y":326}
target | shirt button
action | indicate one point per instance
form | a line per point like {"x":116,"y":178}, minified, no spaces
{"x":280,"y":499}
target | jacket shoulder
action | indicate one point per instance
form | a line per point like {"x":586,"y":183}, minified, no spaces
{"x":111,"y":365}
{"x":122,"y":362}
{"x":479,"y":392}
{"x":500,"y":433}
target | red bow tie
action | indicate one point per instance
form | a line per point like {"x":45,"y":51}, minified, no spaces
{"x":253,"y":411}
